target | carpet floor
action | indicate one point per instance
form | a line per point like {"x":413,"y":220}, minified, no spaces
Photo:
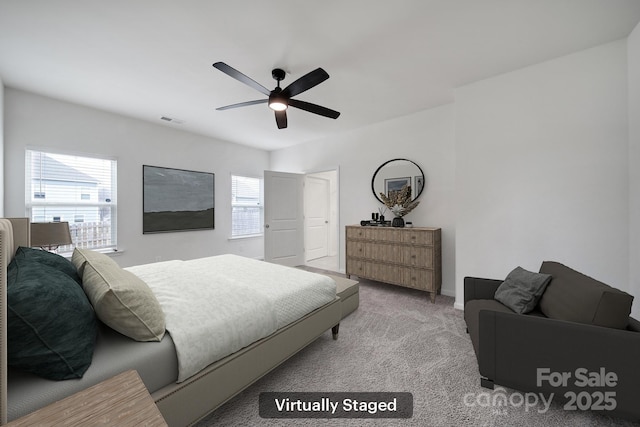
{"x":398,"y":341}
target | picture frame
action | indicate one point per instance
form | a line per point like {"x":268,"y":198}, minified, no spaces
{"x":177,"y":200}
{"x":394,"y":185}
{"x":419,"y":185}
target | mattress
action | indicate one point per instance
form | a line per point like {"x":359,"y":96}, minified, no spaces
{"x":218,"y":305}
{"x":114,"y":353}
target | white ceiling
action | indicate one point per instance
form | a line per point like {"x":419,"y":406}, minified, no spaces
{"x":152,"y":58}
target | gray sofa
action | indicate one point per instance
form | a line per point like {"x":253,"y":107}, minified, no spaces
{"x":578,"y":342}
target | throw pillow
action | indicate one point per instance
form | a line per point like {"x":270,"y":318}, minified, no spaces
{"x":121,"y":299}
{"x":51,"y":259}
{"x":81,"y":256}
{"x":51,"y":326}
{"x":522,"y":289}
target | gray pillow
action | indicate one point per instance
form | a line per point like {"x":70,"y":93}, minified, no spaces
{"x":522,"y":290}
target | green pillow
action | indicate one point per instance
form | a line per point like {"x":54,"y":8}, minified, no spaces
{"x":51,"y":259}
{"x":51,"y":326}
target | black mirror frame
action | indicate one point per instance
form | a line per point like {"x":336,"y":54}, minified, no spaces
{"x":373,"y":178}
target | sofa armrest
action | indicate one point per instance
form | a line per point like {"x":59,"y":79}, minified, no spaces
{"x":514,"y":347}
{"x":478,"y":288}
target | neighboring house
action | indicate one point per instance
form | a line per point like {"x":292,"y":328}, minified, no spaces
{"x":57,"y":182}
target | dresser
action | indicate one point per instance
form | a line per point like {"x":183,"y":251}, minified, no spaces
{"x":409,"y":257}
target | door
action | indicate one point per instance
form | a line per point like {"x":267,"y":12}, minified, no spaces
{"x":283,"y":218}
{"x":316,"y":209}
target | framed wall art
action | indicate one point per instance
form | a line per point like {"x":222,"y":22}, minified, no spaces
{"x":392,"y":185}
{"x":177,"y":200}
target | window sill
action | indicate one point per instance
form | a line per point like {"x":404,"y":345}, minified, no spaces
{"x":246,"y":236}
{"x":108,"y":251}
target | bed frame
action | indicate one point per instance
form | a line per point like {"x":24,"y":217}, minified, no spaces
{"x":189,"y":401}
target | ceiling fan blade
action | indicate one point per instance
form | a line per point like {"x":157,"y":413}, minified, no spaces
{"x":306,"y":82}
{"x":313,"y":108}
{"x":243,"y":104}
{"x":281,"y":119}
{"x":232,"y":72}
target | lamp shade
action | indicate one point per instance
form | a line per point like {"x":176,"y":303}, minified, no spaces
{"x":50,"y":234}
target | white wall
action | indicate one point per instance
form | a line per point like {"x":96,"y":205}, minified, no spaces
{"x":542,"y":169}
{"x":1,"y":148}
{"x":427,"y":138}
{"x":633,"y":58}
{"x":33,"y":120}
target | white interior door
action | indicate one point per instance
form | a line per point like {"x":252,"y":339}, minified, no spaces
{"x":316,"y":212}
{"x":283,"y":218}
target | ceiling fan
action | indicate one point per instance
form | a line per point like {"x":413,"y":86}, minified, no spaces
{"x":280,"y":99}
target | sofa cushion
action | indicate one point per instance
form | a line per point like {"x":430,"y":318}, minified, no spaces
{"x":522,"y":289}
{"x":575,"y":297}
{"x":472,"y":317}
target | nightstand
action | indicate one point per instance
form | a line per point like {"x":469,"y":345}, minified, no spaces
{"x":119,"y":401}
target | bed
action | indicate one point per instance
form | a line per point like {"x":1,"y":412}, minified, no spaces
{"x":184,"y":390}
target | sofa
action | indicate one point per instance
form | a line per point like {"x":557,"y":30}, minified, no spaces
{"x":559,"y":333}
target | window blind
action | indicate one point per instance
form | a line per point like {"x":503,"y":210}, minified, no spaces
{"x":246,"y":206}
{"x":80,"y":190}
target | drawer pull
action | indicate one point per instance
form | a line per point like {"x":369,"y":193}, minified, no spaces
{"x":413,"y":256}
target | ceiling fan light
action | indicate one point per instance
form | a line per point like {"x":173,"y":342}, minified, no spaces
{"x":277,"y":102}
{"x":277,"y":106}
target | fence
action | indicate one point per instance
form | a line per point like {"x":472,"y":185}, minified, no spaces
{"x":89,"y":235}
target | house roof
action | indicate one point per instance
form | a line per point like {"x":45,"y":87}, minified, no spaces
{"x":148,"y":59}
{"x":53,"y":170}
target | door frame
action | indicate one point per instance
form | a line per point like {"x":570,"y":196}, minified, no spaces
{"x":336,"y":200}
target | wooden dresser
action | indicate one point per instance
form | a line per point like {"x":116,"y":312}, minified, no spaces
{"x":409,"y":257}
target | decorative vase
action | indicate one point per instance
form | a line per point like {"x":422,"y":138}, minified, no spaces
{"x":397,"y":222}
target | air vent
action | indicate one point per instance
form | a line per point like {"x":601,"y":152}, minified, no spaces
{"x":172,"y":120}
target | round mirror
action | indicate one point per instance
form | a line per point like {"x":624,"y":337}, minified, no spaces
{"x":395,"y":174}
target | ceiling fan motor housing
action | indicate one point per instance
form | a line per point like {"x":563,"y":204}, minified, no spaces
{"x":278,"y":74}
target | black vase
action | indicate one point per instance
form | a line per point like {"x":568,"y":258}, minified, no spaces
{"x":397,"y":222}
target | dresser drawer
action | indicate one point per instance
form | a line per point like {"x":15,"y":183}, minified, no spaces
{"x":417,"y":278}
{"x":383,"y":272}
{"x":416,"y":256}
{"x":383,"y":252}
{"x":357,"y":267}
{"x":355,"y":249}
{"x":356,"y":233}
{"x":418,"y":237}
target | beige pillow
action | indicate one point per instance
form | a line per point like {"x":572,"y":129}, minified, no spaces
{"x":121,"y":299}
{"x":80,"y":256}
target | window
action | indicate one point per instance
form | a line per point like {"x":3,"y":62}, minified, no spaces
{"x":79,"y":190}
{"x":246,"y":206}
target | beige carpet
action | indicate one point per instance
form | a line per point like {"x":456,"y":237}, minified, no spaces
{"x":398,"y":340}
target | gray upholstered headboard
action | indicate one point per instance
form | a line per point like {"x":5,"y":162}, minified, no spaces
{"x":14,"y":232}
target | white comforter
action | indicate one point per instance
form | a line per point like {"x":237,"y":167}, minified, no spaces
{"x":215,"y":306}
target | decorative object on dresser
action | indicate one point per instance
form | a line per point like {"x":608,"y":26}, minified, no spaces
{"x":392,"y":184}
{"x":409,"y":257}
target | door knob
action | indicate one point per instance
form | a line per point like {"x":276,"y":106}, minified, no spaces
{"x":266,"y":226}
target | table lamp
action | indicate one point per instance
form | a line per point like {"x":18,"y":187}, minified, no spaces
{"x":50,"y":235}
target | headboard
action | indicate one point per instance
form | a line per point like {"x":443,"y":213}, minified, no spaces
{"x":14,"y":232}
